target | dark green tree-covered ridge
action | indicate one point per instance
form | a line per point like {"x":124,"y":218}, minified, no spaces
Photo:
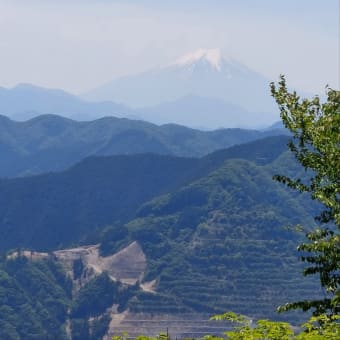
{"x":53,"y":143}
{"x":34,"y":299}
{"x":56,"y":210}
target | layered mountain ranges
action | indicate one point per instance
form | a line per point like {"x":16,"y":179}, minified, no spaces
{"x":117,"y":224}
{"x":53,"y":143}
{"x":212,"y":231}
{"x":100,"y":190}
{"x":201,"y":90}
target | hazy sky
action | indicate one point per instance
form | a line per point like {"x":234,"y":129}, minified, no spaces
{"x":80,"y":44}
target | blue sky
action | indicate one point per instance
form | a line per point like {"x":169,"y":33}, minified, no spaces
{"x":79,"y":44}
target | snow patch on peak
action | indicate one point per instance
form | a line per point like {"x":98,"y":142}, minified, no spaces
{"x":213,"y":56}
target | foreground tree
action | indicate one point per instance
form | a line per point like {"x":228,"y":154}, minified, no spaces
{"x":315,"y":127}
{"x":242,"y":328}
{"x":317,"y":328}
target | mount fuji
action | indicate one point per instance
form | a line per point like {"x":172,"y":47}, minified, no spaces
{"x":204,"y":73}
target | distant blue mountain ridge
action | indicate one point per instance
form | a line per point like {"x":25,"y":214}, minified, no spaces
{"x":200,"y":90}
{"x":26,"y":101}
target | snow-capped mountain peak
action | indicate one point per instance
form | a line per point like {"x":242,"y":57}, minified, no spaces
{"x":212,"y":56}
{"x":202,"y":73}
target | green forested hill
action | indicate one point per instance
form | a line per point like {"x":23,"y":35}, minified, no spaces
{"x":52,"y":143}
{"x":60,"y":209}
{"x":34,"y":299}
{"x":220,"y":243}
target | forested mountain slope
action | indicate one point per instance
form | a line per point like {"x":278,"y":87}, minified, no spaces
{"x":34,"y":299}
{"x":57,"y":209}
{"x":53,"y":143}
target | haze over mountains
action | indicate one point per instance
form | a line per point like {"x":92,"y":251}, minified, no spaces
{"x":26,"y":101}
{"x":201,"y":90}
{"x":202,"y":73}
{"x":192,"y":111}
